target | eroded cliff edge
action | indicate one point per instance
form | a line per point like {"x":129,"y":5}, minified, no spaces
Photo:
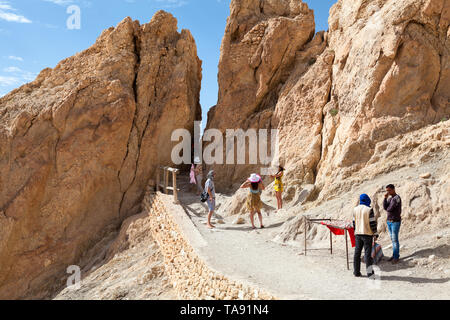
{"x":79,"y":144}
{"x":382,"y":70}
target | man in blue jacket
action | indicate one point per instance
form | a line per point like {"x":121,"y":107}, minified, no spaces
{"x":393,"y":205}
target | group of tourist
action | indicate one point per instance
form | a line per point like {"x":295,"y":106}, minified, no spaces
{"x":256,"y":186}
{"x":364,"y":219}
{"x":365,"y":225}
{"x":254,"y":183}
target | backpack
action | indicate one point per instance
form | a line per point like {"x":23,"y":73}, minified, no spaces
{"x":377,"y":253}
{"x":204,"y":196}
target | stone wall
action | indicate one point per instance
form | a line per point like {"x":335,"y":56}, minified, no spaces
{"x":187,"y":270}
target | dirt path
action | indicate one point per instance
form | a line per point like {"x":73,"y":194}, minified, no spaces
{"x":285,"y":271}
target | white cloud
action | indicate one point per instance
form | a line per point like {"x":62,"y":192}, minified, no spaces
{"x":28,"y":76}
{"x":172,"y":3}
{"x":8,"y":81}
{"x":85,"y":3}
{"x":15,"y":77}
{"x":163,"y":3}
{"x":50,"y":26}
{"x":15,"y":58}
{"x":7,"y":13}
{"x":12,"y":69}
{"x":60,"y":2}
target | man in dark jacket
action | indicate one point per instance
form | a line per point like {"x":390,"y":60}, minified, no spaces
{"x":393,"y":205}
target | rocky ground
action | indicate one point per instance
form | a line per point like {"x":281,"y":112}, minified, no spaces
{"x":357,"y":107}
{"x":128,"y":268}
{"x":128,"y":265}
{"x":79,"y":144}
{"x":281,"y":267}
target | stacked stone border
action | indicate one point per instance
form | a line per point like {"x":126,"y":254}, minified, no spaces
{"x":187,"y":270}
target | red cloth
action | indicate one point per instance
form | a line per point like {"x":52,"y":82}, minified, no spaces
{"x":351,"y":232}
{"x":336,"y":231}
{"x":340,"y":232}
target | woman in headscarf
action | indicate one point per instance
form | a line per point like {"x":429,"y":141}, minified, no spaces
{"x":365,"y":224}
{"x":253,"y":202}
{"x":209,"y":188}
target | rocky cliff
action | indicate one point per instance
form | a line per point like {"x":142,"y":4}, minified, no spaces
{"x":358,"y":107}
{"x":125,"y":265}
{"x":259,"y":50}
{"x":391,"y":75}
{"x":382,"y":70}
{"x":79,"y":144}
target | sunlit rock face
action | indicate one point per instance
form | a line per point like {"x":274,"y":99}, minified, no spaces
{"x":390,"y":76}
{"x":381,"y":70}
{"x":260,"y":48}
{"x":79,"y":144}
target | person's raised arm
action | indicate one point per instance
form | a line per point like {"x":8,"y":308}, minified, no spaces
{"x":246,"y":184}
{"x":261,"y":185}
{"x":385,"y":203}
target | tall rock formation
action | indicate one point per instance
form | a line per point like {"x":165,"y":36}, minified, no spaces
{"x":391,"y":76}
{"x":382,"y":70}
{"x":79,"y":144}
{"x":258,"y":53}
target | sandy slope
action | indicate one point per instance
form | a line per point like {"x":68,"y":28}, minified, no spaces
{"x":128,"y":268}
{"x":128,"y":265}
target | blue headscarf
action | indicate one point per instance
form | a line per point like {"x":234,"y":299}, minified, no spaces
{"x":365,"y":200}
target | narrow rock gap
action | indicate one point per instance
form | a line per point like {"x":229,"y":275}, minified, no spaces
{"x":435,"y":108}
{"x":137,"y":51}
{"x":316,"y":167}
{"x":149,"y":116}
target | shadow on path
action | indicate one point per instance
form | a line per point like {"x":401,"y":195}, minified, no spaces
{"x":247,"y":228}
{"x":414,"y":280}
{"x":442,"y":251}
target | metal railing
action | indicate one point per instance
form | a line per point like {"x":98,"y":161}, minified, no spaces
{"x":309,"y":221}
{"x":164,"y":185}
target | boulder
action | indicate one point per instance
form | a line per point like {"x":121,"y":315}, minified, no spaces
{"x":336,"y":98}
{"x":79,"y":144}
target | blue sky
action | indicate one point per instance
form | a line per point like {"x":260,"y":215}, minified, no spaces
{"x":34,"y":33}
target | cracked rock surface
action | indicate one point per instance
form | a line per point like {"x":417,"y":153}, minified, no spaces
{"x":79,"y":144}
{"x":380,"y":71}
